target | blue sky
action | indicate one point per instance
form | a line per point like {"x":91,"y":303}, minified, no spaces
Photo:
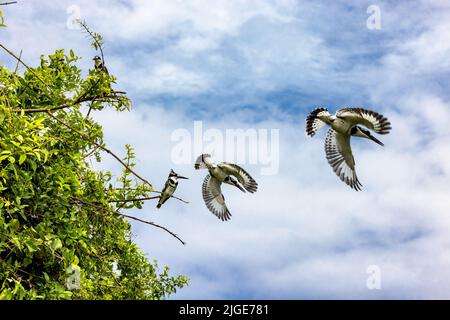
{"x":266,"y":64}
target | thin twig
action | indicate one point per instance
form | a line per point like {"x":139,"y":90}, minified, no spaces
{"x":90,"y":109}
{"x":17,"y":65}
{"x":153,"y":224}
{"x":133,"y":200}
{"x":99,"y":45}
{"x":155,"y":191}
{"x":134,"y":218}
{"x":101,"y":147}
{"x":7,"y":3}
{"x":90,"y":153}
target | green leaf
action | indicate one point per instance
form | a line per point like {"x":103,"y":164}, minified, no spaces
{"x":22,"y":158}
{"x":56,"y":244}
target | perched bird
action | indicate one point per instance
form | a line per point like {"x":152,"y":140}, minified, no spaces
{"x":218,"y":173}
{"x":169,"y":187}
{"x":344,"y":124}
{"x":99,"y":65}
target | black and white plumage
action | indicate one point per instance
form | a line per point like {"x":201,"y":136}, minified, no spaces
{"x":345,"y":124}
{"x":100,"y":65}
{"x":340,"y":157}
{"x":169,"y":187}
{"x":370,"y":119}
{"x":224,"y":172}
{"x":313,"y":122}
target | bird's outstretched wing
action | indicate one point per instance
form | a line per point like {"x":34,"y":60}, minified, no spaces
{"x":370,"y":119}
{"x":313,"y":124}
{"x":203,"y":161}
{"x":214,"y":199}
{"x":243,"y":176}
{"x":340,"y":157}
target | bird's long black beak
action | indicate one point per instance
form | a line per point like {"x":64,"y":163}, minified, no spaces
{"x":376,"y":140}
{"x":239,"y":186}
{"x":181,"y":177}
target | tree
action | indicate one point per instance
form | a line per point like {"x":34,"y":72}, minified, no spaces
{"x":63,"y":233}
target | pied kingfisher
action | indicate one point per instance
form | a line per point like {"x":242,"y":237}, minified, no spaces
{"x":218,"y":173}
{"x":99,"y":65}
{"x":169,"y":187}
{"x":344,"y":124}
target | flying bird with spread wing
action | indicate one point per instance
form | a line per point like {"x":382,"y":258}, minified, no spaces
{"x":344,"y":124}
{"x":169,"y":187}
{"x":224,"y":172}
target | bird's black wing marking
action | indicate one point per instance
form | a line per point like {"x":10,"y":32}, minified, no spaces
{"x":313,"y":124}
{"x":370,"y":119}
{"x":243,"y":176}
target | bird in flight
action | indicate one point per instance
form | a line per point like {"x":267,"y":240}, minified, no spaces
{"x":99,"y":64}
{"x":169,"y":187}
{"x":344,"y":124}
{"x":228,"y":173}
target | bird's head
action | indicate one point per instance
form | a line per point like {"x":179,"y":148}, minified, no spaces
{"x":176,"y":175}
{"x":232,"y":181}
{"x":357,"y":131}
{"x":97,"y":61}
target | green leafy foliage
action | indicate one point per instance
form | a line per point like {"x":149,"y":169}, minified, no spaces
{"x":58,"y":217}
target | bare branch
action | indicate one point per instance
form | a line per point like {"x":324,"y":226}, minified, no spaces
{"x":154,"y":191}
{"x":17,"y":65}
{"x":146,"y":198}
{"x":7,"y":3}
{"x":153,"y":224}
{"x":133,"y":200}
{"x":131,"y":217}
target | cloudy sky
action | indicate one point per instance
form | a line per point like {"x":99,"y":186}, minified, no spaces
{"x":265,"y":65}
